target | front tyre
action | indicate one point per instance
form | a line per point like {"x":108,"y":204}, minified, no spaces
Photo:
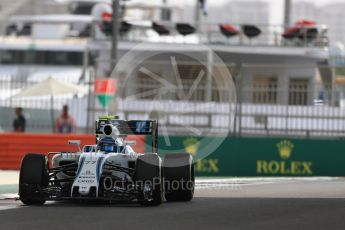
{"x":148,"y":179}
{"x":179,"y":179}
{"x":32,"y":178}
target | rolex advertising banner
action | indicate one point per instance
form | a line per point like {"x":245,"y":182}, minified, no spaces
{"x":261,"y":156}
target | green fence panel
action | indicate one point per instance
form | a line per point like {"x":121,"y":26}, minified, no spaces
{"x":246,"y":157}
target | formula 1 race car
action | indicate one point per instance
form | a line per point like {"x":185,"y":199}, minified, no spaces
{"x":110,"y":170}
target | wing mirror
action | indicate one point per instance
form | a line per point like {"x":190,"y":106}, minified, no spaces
{"x":130,"y":143}
{"x":75,"y":142}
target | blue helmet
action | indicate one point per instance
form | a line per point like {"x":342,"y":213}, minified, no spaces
{"x":108,"y":144}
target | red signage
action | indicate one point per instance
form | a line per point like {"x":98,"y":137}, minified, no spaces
{"x":105,"y":86}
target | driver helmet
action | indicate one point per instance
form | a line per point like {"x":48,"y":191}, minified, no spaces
{"x":107,"y":144}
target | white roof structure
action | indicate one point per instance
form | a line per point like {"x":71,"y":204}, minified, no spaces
{"x":51,"y":87}
{"x":70,"y":75}
{"x":51,"y":18}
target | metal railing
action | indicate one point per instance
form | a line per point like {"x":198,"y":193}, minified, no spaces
{"x":270,"y":35}
{"x":305,"y":115}
{"x":264,"y":107}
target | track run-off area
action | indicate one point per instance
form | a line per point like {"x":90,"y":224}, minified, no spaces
{"x":235,"y":203}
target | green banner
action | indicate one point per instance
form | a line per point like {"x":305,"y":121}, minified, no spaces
{"x":261,"y":156}
{"x":104,"y":99}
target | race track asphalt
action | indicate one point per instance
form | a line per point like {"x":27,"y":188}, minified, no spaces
{"x":300,"y":204}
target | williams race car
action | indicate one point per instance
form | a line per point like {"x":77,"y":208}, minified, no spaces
{"x":109,"y":171}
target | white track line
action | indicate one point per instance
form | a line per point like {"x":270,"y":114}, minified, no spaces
{"x":9,"y":203}
{"x":8,"y":196}
{"x":10,"y":207}
{"x":239,"y":182}
{"x":273,"y":179}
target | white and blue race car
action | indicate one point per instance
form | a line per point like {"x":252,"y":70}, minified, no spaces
{"x":108,"y":171}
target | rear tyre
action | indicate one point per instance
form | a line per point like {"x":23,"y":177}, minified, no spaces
{"x":32,"y":178}
{"x":179,"y":179}
{"x":148,"y":175}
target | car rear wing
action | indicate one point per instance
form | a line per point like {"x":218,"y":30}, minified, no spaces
{"x":132,"y":127}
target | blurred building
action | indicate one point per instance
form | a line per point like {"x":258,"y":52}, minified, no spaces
{"x":240,"y":12}
{"x":272,"y":73}
{"x":331,"y":15}
{"x":9,"y":8}
{"x":303,"y":10}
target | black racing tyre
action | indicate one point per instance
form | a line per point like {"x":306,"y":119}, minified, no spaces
{"x":148,"y":172}
{"x":33,"y":176}
{"x":179,"y":179}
